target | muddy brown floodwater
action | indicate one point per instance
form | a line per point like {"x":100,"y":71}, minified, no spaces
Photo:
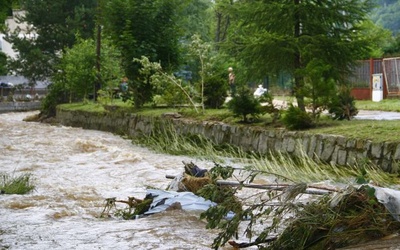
{"x":74,"y":170}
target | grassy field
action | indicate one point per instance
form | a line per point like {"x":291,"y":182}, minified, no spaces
{"x":384,"y":105}
{"x":377,"y":131}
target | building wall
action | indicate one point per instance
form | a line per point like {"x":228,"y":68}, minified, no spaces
{"x":11,"y":23}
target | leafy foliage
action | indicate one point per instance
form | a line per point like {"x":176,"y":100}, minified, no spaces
{"x":56,"y":95}
{"x":353,"y":217}
{"x":211,"y":84}
{"x":77,"y":75}
{"x":385,"y":15}
{"x":275,"y":217}
{"x":3,"y":64}
{"x":6,"y":7}
{"x":194,"y":19}
{"x":55,"y":26}
{"x":158,"y":78}
{"x":269,"y":107}
{"x":215,"y":90}
{"x":392,"y":49}
{"x":319,"y":85}
{"x":78,"y":68}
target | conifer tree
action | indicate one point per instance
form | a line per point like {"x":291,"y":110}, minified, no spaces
{"x":272,"y":36}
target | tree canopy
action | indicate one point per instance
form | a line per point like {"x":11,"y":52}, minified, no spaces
{"x":272,"y":36}
{"x":52,"y":28}
{"x":314,"y":42}
{"x":387,"y":15}
{"x":144,"y":28}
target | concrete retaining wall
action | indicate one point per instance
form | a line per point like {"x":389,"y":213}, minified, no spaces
{"x":329,"y":148}
{"x":19,"y":106}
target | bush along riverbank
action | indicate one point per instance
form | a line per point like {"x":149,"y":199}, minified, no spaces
{"x":332,"y":149}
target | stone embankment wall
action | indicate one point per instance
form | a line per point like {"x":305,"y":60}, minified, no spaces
{"x":329,"y":148}
{"x":19,"y":106}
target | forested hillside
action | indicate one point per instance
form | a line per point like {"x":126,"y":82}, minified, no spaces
{"x":387,"y":14}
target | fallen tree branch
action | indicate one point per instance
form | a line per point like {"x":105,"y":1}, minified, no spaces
{"x":311,"y":189}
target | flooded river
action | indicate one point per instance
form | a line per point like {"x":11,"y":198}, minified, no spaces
{"x":74,"y":171}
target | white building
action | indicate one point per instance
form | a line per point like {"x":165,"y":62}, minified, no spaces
{"x":11,"y":23}
{"x":6,"y":47}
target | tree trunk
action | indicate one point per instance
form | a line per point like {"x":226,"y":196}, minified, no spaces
{"x":298,"y":83}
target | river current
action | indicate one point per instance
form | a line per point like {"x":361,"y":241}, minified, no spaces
{"x":74,"y":171}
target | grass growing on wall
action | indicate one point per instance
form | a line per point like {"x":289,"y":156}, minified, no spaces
{"x":303,"y":169}
{"x":165,"y":139}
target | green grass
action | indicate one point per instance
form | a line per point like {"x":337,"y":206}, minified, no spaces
{"x":87,"y":107}
{"x":374,"y":130}
{"x":384,"y":105}
{"x":21,"y":184}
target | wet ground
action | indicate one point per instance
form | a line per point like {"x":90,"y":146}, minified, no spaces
{"x":362,"y":114}
{"x":377,"y":115}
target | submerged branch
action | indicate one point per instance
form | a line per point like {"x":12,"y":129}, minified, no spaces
{"x":311,"y":189}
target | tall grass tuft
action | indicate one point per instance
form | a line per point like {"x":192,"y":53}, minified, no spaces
{"x":16,"y":184}
{"x":165,"y":139}
{"x":304,"y":169}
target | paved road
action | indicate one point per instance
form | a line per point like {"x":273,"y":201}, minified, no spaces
{"x":362,"y":114}
{"x":377,"y":115}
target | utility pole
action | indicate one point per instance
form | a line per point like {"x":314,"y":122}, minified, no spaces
{"x":97,"y":85}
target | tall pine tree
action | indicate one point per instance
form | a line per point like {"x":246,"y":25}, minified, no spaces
{"x":272,"y":36}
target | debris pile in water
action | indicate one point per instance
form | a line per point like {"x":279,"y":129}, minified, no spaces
{"x":196,"y":189}
{"x":334,"y":219}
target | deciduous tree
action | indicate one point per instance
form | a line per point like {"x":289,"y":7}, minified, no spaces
{"x":52,"y":26}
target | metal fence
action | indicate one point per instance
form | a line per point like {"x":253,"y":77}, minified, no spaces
{"x":361,"y":77}
{"x":391,"y":69}
{"x":23,"y":94}
{"x":388,"y":67}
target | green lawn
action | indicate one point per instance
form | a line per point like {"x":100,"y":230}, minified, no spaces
{"x":384,"y":105}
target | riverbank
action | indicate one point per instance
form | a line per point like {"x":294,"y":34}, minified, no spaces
{"x":332,"y":149}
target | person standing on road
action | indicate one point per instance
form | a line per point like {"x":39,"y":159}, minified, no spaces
{"x":259,"y":91}
{"x":124,"y":85}
{"x":231,"y":78}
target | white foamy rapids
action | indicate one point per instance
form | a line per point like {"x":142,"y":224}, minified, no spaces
{"x":74,"y":171}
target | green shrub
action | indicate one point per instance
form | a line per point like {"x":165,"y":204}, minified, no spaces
{"x":244,"y":104}
{"x":296,"y":119}
{"x":215,"y":91}
{"x":342,"y":106}
{"x":56,"y":95}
